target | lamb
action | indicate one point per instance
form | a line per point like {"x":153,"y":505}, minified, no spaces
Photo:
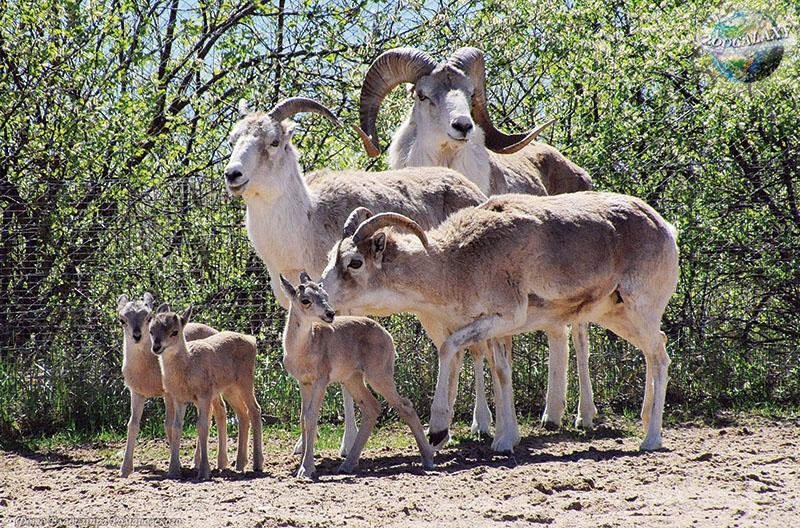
{"x":449,"y":101}
{"x":519,"y":263}
{"x":142,"y":375}
{"x":293,"y":221}
{"x":350,"y":351}
{"x":197,"y":371}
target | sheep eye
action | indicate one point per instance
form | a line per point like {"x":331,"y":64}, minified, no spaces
{"x":174,"y":333}
{"x":421,"y":97}
{"x":355,"y":264}
{"x":122,"y":321}
{"x":305,"y":302}
{"x":275,"y":143}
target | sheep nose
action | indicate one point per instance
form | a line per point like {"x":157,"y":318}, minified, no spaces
{"x":137,"y":336}
{"x":463,"y":124}
{"x":233,"y":175}
{"x":329,"y":314}
{"x":156,"y":347}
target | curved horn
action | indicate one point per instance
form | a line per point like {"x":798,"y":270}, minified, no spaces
{"x":391,"y":68}
{"x":370,"y":225}
{"x":470,"y":61}
{"x":287,"y":108}
{"x":358,"y":215}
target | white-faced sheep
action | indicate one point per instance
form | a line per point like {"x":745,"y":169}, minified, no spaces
{"x":293,"y":220}
{"x":142,"y":375}
{"x":197,"y":371}
{"x":449,"y":126}
{"x":519,"y":263}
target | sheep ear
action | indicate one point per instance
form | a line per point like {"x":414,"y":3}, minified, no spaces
{"x":163,"y":308}
{"x":121,"y":302}
{"x":187,"y":314}
{"x":243,"y":108}
{"x":304,"y":278}
{"x":148,"y":299}
{"x":287,"y":287}
{"x":378,"y":247}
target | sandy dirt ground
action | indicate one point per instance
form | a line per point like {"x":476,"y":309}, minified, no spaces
{"x":745,"y":473}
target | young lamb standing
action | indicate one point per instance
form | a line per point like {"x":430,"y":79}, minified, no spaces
{"x":195,"y":371}
{"x":143,"y":375}
{"x":350,"y":351}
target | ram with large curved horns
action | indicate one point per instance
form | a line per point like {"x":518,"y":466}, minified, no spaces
{"x":450,"y":126}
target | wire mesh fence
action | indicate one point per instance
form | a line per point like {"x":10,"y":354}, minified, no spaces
{"x":114,"y":140}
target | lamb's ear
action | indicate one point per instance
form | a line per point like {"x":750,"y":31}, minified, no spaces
{"x":378,"y":247}
{"x":243,"y":108}
{"x":358,"y":215}
{"x":304,"y":277}
{"x":163,"y":308}
{"x":121,"y":302}
{"x":187,"y":315}
{"x":148,"y":300}
{"x":287,"y":287}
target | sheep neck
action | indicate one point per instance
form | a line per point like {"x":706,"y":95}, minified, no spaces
{"x":280,"y":225}
{"x":411,"y":147}
{"x":296,"y":333}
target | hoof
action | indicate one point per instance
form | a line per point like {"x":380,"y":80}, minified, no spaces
{"x":580,"y":423}
{"x":125,"y":471}
{"x":298,"y":447}
{"x":343,"y":452}
{"x":347,"y":469}
{"x":305,"y":473}
{"x":204,"y":474}
{"x":650,"y":445}
{"x":550,"y":426}
{"x":503,"y":445}
{"x":439,"y":438}
{"x":427,"y":463}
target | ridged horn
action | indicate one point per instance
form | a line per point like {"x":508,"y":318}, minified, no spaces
{"x":358,"y":215}
{"x":471,"y":62}
{"x":392,"y":67}
{"x":287,"y":108}
{"x":370,"y":225}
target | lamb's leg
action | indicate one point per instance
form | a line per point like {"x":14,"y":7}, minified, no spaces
{"x":658,"y":364}
{"x":481,"y":415}
{"x":254,"y":413}
{"x":370,"y":409}
{"x":386,"y":387}
{"x":243,"y":418}
{"x":556,"y":377}
{"x":471,"y":334}
{"x":221,"y":417}
{"x":586,"y":409}
{"x":203,"y":419}
{"x":312,"y":401}
{"x":137,"y":405}
{"x":176,"y":429}
{"x":350,"y":428}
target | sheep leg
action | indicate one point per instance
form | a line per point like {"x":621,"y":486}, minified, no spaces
{"x":203,"y":420}
{"x":586,"y":409}
{"x":481,"y":415}
{"x":137,"y":406}
{"x":312,"y":401}
{"x":386,"y":387}
{"x":243,"y":419}
{"x":452,"y":386}
{"x":350,"y":428}
{"x":556,"y":377}
{"x":469,"y":335}
{"x":658,"y":360}
{"x":254,"y":413}
{"x":508,"y":436}
{"x":370,"y":409}
{"x":221,"y":417}
{"x":175,"y":431}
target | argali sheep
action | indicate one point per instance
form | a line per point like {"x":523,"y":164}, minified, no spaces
{"x":519,"y":263}
{"x":142,"y":375}
{"x":318,"y":351}
{"x":198,"y":371}
{"x":292,"y":220}
{"x":449,"y":125}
